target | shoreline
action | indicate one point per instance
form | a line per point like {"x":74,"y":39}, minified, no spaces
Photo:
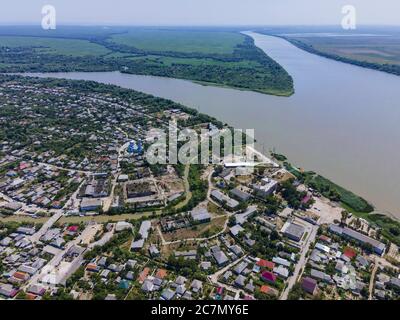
{"x":44,"y":75}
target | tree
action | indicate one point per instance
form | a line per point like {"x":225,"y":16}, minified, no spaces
{"x":345,"y":216}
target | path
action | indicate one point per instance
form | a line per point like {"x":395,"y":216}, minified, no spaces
{"x":300,"y":264}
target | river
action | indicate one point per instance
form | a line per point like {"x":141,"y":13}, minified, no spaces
{"x":343,"y":121}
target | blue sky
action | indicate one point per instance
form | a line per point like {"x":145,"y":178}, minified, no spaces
{"x":200,"y":12}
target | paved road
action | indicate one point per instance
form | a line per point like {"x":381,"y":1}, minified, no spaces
{"x":300,"y":264}
{"x":46,"y":226}
{"x":214,"y":278}
{"x":55,"y":217}
{"x":371,"y":283}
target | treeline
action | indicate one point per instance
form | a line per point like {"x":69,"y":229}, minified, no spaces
{"x":262,"y":74}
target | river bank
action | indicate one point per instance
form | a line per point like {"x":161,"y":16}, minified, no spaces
{"x":341,"y":122}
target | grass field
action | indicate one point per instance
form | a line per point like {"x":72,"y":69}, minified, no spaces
{"x":381,"y":49}
{"x":211,"y":56}
{"x":181,"y":41}
{"x":69,"y":47}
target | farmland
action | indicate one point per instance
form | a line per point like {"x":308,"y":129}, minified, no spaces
{"x":375,"y":51}
{"x":216,"y":57}
{"x":69,"y":47}
{"x":188,"y":41}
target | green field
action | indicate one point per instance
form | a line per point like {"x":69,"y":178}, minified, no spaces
{"x":210,"y":56}
{"x":69,"y":47}
{"x":181,"y":41}
{"x":376,"y":49}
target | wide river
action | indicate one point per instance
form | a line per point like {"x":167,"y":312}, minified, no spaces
{"x":343,"y":121}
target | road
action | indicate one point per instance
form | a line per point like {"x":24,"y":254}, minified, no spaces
{"x":372,"y":281}
{"x":214,"y":278}
{"x":300,"y":264}
{"x":56,"y":260}
{"x":55,"y":217}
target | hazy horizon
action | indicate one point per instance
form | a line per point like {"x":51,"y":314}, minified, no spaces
{"x":201,"y":13}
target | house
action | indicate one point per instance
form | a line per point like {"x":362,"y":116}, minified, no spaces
{"x":268,"y":276}
{"x":239,"y":194}
{"x":394,"y":282}
{"x":153,"y":251}
{"x":341,"y":267}
{"x":36,"y":290}
{"x":196,"y":286}
{"x":12,"y":206}
{"x":123,"y":225}
{"x":235,"y":230}
{"x":5,"y":242}
{"x":224,"y":199}
{"x":250,"y":286}
{"x":322,"y":247}
{"x":293,"y":231}
{"x":264,"y":289}
{"x":147,"y":286}
{"x":131,"y":263}
{"x":92,"y":267}
{"x":89,"y":204}
{"x":205,"y":265}
{"x":143,"y":275}
{"x":236,"y":250}
{"x":266,"y":187}
{"x":72,"y":229}
{"x":8,"y":291}
{"x":281,"y":261}
{"x":226,"y":276}
{"x":161,"y":274}
{"x":105,"y":273}
{"x":27,"y":269}
{"x":362,"y":262}
{"x":26,"y":230}
{"x":378,"y":247}
{"x":144,"y":229}
{"x":200,"y":215}
{"x":219,"y":256}
{"x":319,"y":275}
{"x":115,"y":268}
{"x":309,"y":285}
{"x":137,"y":245}
{"x":281,"y":271}
{"x":380,"y":294}
{"x":240,"y":281}
{"x":240,"y":267}
{"x":241,"y":218}
{"x":180,"y":290}
{"x":123,"y":178}
{"x":180,"y":280}
{"x":130,"y":276}
{"x":58,"y":243}
{"x":102,"y":262}
{"x":350,"y":253}
{"x":124,"y":285}
{"x":187,"y":255}
{"x":266,"y":264}
{"x":167,"y":294}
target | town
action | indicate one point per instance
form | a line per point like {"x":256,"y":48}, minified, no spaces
{"x":84,"y":216}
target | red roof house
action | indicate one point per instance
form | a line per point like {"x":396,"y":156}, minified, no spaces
{"x":349,"y":252}
{"x":268,"y":276}
{"x":266,"y":264}
{"x":73,"y":229}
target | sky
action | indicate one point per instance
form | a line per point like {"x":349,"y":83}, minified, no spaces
{"x":201,"y":12}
